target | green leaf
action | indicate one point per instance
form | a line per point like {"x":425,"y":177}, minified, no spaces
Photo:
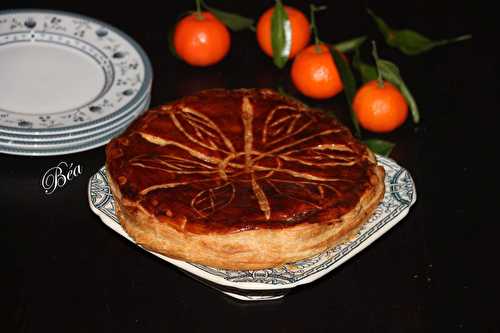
{"x":233,"y":21}
{"x":349,"y":84}
{"x":390,"y":72}
{"x":413,"y":43}
{"x":408,"y":41}
{"x":368,"y":72}
{"x":350,"y":45}
{"x":379,"y":146}
{"x":281,"y":35}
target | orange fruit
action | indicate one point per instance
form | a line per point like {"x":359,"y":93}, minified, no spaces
{"x":201,"y":39}
{"x":314,"y":73}
{"x":378,"y":108}
{"x":299,"y":26}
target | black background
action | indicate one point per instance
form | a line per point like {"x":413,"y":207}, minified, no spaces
{"x":62,"y":270}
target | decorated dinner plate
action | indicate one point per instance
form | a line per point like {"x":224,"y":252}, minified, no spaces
{"x":63,"y":72}
{"x":267,"y":284}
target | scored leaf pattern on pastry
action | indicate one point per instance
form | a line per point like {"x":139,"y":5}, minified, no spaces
{"x":278,"y":159}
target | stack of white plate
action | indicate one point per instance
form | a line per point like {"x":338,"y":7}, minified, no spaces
{"x":68,"y":83}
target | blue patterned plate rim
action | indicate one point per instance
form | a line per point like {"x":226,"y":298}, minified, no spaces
{"x":61,"y":151}
{"x":68,"y":142}
{"x":400,"y":195}
{"x":78,"y":134}
{"x":70,"y":149}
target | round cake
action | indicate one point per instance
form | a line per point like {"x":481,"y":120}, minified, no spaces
{"x":241,"y":179}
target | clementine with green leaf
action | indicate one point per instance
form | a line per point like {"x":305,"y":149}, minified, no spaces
{"x":200,"y":39}
{"x":380,"y":107}
{"x":298,"y":30}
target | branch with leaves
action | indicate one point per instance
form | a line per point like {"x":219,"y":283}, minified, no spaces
{"x":409,"y":42}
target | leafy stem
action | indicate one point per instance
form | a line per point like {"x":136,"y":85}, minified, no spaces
{"x":377,"y":61}
{"x":409,"y":41}
{"x":313,"y":9}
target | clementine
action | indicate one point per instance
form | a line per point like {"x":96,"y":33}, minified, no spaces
{"x":299,"y":27}
{"x":314,"y":73}
{"x":380,"y":108}
{"x":200,"y":39}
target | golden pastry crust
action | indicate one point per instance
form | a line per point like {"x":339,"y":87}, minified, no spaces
{"x":241,"y":179}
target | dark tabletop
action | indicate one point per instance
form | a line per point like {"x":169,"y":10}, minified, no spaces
{"x":65,"y":271}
